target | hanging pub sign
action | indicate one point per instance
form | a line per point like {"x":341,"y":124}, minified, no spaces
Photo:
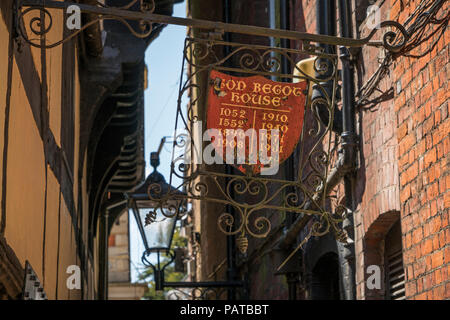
{"x":253,"y":121}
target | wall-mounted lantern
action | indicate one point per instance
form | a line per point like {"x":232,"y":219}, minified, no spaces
{"x":156,"y":223}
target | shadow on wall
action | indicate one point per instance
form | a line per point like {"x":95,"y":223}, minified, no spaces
{"x":322,"y":268}
{"x":325,"y":278}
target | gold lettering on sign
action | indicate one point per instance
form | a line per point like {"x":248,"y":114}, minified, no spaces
{"x":242,"y":103}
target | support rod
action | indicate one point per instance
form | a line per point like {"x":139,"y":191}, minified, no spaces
{"x":203,"y":24}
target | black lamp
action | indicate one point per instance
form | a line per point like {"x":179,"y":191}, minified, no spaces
{"x":156,"y":206}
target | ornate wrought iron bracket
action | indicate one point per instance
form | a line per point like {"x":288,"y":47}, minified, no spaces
{"x":145,"y":16}
{"x":308,"y":191}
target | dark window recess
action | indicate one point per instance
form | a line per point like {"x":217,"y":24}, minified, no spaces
{"x":67,"y":103}
{"x":325,"y":278}
{"x":395,"y":274}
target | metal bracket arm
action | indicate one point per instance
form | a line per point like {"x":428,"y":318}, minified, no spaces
{"x":146,"y":17}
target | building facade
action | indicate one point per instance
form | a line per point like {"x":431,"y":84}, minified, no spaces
{"x":396,"y":184}
{"x":72,"y":145}
{"x":119,"y":264}
{"x":72,"y":148}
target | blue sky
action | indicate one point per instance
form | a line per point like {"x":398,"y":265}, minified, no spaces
{"x":164,"y":59}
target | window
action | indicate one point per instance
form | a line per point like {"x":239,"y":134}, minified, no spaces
{"x":395,"y":274}
{"x":325,"y":278}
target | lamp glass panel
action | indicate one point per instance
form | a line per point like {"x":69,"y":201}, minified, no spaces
{"x":158,"y":233}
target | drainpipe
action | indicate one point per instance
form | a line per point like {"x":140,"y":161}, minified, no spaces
{"x":326,"y":13}
{"x":347,"y":250}
{"x":344,"y":124}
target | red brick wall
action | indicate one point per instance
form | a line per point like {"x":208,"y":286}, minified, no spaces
{"x":377,"y":186}
{"x":421,"y":107}
{"x":404,"y":166}
{"x":377,"y":178}
{"x":404,"y":153}
{"x":305,"y":10}
{"x":403,"y":162}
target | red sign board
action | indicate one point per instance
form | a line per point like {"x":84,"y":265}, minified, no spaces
{"x":255,"y":103}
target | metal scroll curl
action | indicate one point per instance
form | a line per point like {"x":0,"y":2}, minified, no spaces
{"x":34,"y":30}
{"x":164,"y":203}
{"x":143,"y":11}
{"x":252,"y":59}
{"x":392,"y":41}
{"x":251,"y":196}
{"x":161,"y":265}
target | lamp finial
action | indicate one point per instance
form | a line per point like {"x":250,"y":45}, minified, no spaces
{"x":154,"y":160}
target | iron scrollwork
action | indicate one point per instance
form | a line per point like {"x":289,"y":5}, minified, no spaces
{"x":143,"y":12}
{"x":35,"y":29}
{"x":249,"y":195}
